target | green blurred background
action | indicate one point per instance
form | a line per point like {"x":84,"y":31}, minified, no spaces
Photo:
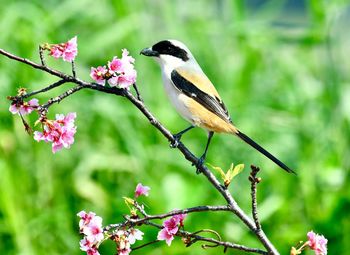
{"x":282,"y":68}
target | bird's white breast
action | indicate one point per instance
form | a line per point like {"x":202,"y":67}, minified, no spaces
{"x":179,"y":100}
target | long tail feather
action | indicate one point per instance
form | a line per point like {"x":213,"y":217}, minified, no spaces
{"x":256,"y":146}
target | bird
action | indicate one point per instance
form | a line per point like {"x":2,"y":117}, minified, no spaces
{"x":195,"y":98}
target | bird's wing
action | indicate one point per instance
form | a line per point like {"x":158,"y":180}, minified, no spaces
{"x":199,"y":88}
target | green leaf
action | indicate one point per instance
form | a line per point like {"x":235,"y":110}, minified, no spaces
{"x":217,"y":168}
{"x":232,"y":172}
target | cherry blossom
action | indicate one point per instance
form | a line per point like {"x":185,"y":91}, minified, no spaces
{"x":170,"y":228}
{"x":98,"y":74}
{"x":135,"y":234}
{"x":318,"y":243}
{"x":94,"y":230}
{"x":85,"y":219}
{"x":141,"y":190}
{"x":59,"y":132}
{"x":91,"y":226}
{"x":119,"y":72}
{"x":180,"y":218}
{"x":165,"y":235}
{"x":24,"y":108}
{"x":68,"y":50}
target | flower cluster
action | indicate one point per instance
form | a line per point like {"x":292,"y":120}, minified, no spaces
{"x":91,"y":226}
{"x":170,"y":228}
{"x":141,"y":190}
{"x":67,"y":51}
{"x":59,"y":132}
{"x":118,"y":72}
{"x":125,"y":238}
{"x":24,"y":108}
{"x":318,"y":243}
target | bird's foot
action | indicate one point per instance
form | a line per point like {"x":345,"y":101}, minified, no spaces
{"x":176,"y":141}
{"x":199,"y":164}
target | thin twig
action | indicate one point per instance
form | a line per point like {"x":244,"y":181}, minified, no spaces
{"x":61,"y":97}
{"x":73,"y":69}
{"x":137,"y":221}
{"x":144,"y":245}
{"x":41,"y":55}
{"x":137,"y":92}
{"x":254,"y":181}
{"x":47,"y":88}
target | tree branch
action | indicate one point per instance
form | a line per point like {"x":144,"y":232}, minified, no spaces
{"x":166,"y":133}
{"x":176,"y":212}
{"x":254,"y":181}
{"x":52,"y":86}
{"x":196,"y":238}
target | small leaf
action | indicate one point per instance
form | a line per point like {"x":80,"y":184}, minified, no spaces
{"x":129,"y":201}
{"x":232,"y":173}
{"x":217,"y":168}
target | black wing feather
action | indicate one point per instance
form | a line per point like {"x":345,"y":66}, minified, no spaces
{"x":212,"y":104}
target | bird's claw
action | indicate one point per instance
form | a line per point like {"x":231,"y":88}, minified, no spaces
{"x":199,"y":164}
{"x":176,"y":141}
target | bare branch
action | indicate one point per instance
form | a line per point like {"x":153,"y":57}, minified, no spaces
{"x":41,"y":55}
{"x":187,"y":234}
{"x":144,"y":245}
{"x":254,"y":181}
{"x":73,"y":69}
{"x":137,"y":92}
{"x":177,"y":212}
{"x":54,"y":85}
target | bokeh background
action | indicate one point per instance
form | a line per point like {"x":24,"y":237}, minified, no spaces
{"x":282,"y":68}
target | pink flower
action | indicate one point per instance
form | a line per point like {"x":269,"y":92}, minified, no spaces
{"x":92,"y":251}
{"x":120,"y":72}
{"x":94,"y":231}
{"x":126,"y":58}
{"x":59,"y":132}
{"x":128,"y":74}
{"x":24,"y":108}
{"x":141,"y":190}
{"x":85,"y":218}
{"x":126,"y":79}
{"x":85,"y":244}
{"x":115,"y":65}
{"x":134,"y":235}
{"x":124,"y":247}
{"x":171,"y":227}
{"x":56,"y":51}
{"x":318,"y":243}
{"x":122,"y":240}
{"x":68,"y":50}
{"x":180,"y":218}
{"x":165,"y":235}
{"x":91,"y":226}
{"x":98,"y":74}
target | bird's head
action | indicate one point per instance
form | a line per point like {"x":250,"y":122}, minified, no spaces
{"x":171,"y":53}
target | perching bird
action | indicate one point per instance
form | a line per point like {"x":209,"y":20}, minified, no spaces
{"x":195,"y":97}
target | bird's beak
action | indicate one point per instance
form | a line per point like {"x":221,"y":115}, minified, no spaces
{"x":149,"y":52}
